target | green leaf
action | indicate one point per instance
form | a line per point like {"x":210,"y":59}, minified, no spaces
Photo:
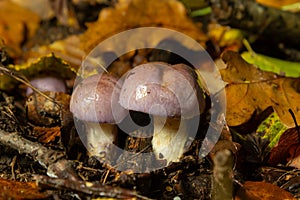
{"x":275,"y":65}
{"x":201,"y":12}
{"x":291,"y":7}
{"x":271,"y":128}
{"x":266,"y":63}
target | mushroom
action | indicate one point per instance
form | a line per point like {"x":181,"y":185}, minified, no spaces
{"x":91,"y":102}
{"x":171,"y":96}
{"x":49,"y":83}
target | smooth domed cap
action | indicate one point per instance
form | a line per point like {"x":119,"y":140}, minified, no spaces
{"x":161,"y":89}
{"x":92,"y":100}
{"x":49,"y":83}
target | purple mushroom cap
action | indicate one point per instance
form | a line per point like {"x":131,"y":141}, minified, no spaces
{"x":161,"y":89}
{"x":92,"y":100}
{"x":47,"y":84}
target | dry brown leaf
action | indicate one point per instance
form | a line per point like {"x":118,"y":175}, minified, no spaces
{"x":46,"y":134}
{"x":250,"y":89}
{"x":43,"y":111}
{"x":48,"y":65}
{"x":16,"y":25}
{"x":287,"y":149}
{"x":19,"y":190}
{"x":67,"y":49}
{"x":295,"y":162}
{"x":262,"y":191}
{"x":129,"y":14}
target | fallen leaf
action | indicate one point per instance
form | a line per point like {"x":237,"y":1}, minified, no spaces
{"x":225,"y":36}
{"x":16,"y":25}
{"x":47,"y":65}
{"x":51,"y":111}
{"x":46,"y":134}
{"x":277,"y":3}
{"x":249,"y":89}
{"x":125,"y":15}
{"x":295,"y":161}
{"x":40,"y":7}
{"x":286,"y":149}
{"x":266,"y":63}
{"x":10,"y":189}
{"x":271,"y":128}
{"x":262,"y":191}
{"x":68,"y":49}
{"x":129,"y":14}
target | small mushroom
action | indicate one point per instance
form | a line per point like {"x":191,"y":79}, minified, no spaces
{"x":49,"y":83}
{"x":171,"y":96}
{"x":91,"y":102}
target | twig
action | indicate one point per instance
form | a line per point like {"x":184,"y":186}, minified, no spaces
{"x":52,"y":160}
{"x":88,"y":188}
{"x":23,"y":80}
{"x":131,"y":157}
{"x":37,"y":151}
{"x":12,"y":165}
{"x":281,"y":26}
{"x":295,"y":121}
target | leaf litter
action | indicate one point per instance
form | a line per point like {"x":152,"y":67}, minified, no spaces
{"x":250,"y":91}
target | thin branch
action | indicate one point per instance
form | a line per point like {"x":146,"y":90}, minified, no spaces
{"x":269,"y":22}
{"x":23,"y":80}
{"x":295,"y":121}
{"x":54,"y":161}
{"x":38,"y":152}
{"x":88,"y":188}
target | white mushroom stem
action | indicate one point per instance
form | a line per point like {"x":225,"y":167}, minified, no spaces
{"x":169,"y":138}
{"x":99,"y":137}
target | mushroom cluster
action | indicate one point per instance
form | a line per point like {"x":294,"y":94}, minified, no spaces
{"x":169,"y":94}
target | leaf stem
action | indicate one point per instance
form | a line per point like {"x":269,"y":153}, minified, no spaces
{"x":295,"y":121}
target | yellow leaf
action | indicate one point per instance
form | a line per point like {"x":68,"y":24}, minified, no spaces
{"x":251,"y":90}
{"x":277,"y":3}
{"x":47,"y":65}
{"x":129,"y":14}
{"x":16,"y":25}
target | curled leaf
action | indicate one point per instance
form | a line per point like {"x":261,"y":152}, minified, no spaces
{"x":47,"y":65}
{"x":263,"y":191}
{"x":286,"y":149}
